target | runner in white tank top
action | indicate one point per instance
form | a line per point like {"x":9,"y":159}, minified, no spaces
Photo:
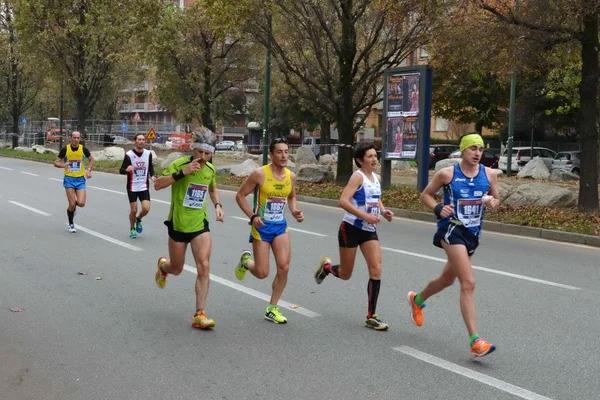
{"x":361,"y":199}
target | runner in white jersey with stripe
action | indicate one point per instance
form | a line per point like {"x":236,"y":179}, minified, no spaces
{"x":361,"y":199}
{"x":137,"y":165}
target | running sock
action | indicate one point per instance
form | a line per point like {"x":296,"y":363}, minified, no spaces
{"x":70,"y":215}
{"x":419,"y":300}
{"x":332,"y":269}
{"x":474,"y":337}
{"x":373,"y":293}
{"x":198,"y":310}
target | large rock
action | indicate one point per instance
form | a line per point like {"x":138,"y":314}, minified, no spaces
{"x":224,"y":169}
{"x":315,"y":173}
{"x":498,"y":172}
{"x":535,"y":169}
{"x":327,"y":159}
{"x":244,"y":169}
{"x":401,"y":164}
{"x":98,"y":155}
{"x":558,"y":175}
{"x":114,"y":153}
{"x":39,"y":149}
{"x":172,"y":157}
{"x":305,"y":155}
{"x":541,"y":194}
{"x":159,"y":146}
{"x":446,"y":163}
{"x":24,"y":149}
{"x":291,"y":166}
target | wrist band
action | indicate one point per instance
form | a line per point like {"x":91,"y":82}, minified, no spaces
{"x":177,"y":175}
{"x":218,"y":204}
{"x":437,"y":210}
{"x":252,"y":218}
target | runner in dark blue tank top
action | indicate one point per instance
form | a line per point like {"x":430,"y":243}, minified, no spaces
{"x":469,"y":188}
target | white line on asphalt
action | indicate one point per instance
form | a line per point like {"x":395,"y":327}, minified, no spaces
{"x":468,"y":373}
{"x":493,"y":271}
{"x":291,"y":229}
{"x":254,"y":293}
{"x":55,"y":179}
{"x":30,"y":208}
{"x":8,"y":169}
{"x":161,"y":201}
{"x":108,"y":238}
{"x":106,"y":190}
{"x":28,"y":173}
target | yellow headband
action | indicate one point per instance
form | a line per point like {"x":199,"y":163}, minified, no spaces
{"x":470,"y":140}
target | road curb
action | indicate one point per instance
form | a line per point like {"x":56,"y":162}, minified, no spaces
{"x":493,"y":226}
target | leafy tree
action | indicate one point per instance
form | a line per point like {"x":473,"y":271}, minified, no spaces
{"x":200,"y":59}
{"x":333,"y":53}
{"x":86,"y":43}
{"x":556,"y":23}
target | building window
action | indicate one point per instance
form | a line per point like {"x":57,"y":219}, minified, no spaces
{"x":441,"y":124}
{"x":424,"y":53}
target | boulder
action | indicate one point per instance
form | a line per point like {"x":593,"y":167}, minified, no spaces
{"x":305,"y":155}
{"x":98,"y":155}
{"x":541,"y":194}
{"x":498,"y":172}
{"x":154,"y":156}
{"x":114,"y":153}
{"x":327,"y":159}
{"x":159,"y":146}
{"x":172,"y":157}
{"x":224,"y":170}
{"x":401,"y":164}
{"x":24,"y":149}
{"x":535,"y":169}
{"x":39,"y":149}
{"x":244,"y":169}
{"x":315,"y":173}
{"x":291,"y":166}
{"x":559,"y":175}
{"x":446,"y":163}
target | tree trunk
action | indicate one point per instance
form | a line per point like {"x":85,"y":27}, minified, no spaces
{"x":81,"y":112}
{"x":325,"y":135}
{"x":207,"y":120}
{"x":479,"y":127}
{"x":588,"y":130}
{"x":346,"y":138}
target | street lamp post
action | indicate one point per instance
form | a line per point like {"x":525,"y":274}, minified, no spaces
{"x":511,"y":115}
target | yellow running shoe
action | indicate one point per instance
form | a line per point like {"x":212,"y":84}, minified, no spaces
{"x":320,"y":273}
{"x":201,"y":321}
{"x":160,"y":277}
{"x":273,"y":314}
{"x":377,"y":324}
{"x":242,"y":267}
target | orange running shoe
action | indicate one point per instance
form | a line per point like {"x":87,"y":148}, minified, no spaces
{"x":480,"y":348}
{"x":160,"y":277}
{"x":200,"y":320}
{"x":416,"y":312}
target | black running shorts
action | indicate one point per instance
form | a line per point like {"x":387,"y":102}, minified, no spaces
{"x":350,"y":236}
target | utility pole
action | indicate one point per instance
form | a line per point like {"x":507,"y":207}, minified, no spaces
{"x":511,"y":115}
{"x":267,"y":93}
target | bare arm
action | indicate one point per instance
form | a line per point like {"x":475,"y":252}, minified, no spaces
{"x":58,"y":163}
{"x":292,"y":200}
{"x":344,"y":202}
{"x":213,"y":192}
{"x":387,"y":214}
{"x":493,"y":179}
{"x":166,"y":181}
{"x":251,"y":183}
{"x":440,"y":178}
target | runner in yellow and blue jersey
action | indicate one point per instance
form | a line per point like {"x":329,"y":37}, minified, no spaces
{"x":469,"y":188}
{"x":71,"y":159}
{"x":274,"y":188}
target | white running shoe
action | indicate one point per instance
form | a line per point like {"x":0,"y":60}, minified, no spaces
{"x":72,"y":229}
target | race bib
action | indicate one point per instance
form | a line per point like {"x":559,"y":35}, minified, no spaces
{"x":139,"y":174}
{"x":372,"y":208}
{"x":194,"y":196}
{"x":469,"y":212}
{"x":74,"y":166}
{"x":274,"y":208}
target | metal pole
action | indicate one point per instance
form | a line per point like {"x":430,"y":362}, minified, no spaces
{"x":60,"y":117}
{"x":511,"y":115}
{"x":267,"y":94}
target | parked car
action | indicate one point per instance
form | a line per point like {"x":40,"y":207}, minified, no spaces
{"x":521,"y":156}
{"x":488,"y":158}
{"x":438,"y":152}
{"x":567,"y":161}
{"x":226,"y":145}
{"x":120,"y":140}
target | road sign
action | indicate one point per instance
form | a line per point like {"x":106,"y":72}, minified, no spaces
{"x":167,"y":128}
{"x":124,"y":127}
{"x":24,"y":121}
{"x":151,"y":135}
{"x":137,"y":117}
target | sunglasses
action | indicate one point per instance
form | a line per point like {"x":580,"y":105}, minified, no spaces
{"x":278,"y":140}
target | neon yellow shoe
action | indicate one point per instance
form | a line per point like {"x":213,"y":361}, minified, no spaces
{"x":160,"y":277}
{"x":242,"y":267}
{"x":273,"y":314}
{"x":201,"y":321}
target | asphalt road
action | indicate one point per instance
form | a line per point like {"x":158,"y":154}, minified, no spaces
{"x":120,"y":337}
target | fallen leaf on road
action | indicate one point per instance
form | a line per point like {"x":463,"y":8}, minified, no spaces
{"x":81,"y":273}
{"x":17,"y":309}
{"x":294,"y":306}
{"x":98,"y":278}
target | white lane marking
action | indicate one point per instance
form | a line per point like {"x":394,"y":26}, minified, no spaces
{"x":468,"y":373}
{"x":55,"y":179}
{"x":29,"y":208}
{"x":161,"y":201}
{"x":254,"y":293}
{"x":8,"y":169}
{"x":28,"y":173}
{"x":291,"y":229}
{"x":493,"y":271}
{"x":106,"y":190}
{"x":108,"y":238}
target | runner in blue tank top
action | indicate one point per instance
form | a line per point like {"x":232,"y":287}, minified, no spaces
{"x":469,"y":188}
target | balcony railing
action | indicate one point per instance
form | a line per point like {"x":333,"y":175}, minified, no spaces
{"x":135,"y":107}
